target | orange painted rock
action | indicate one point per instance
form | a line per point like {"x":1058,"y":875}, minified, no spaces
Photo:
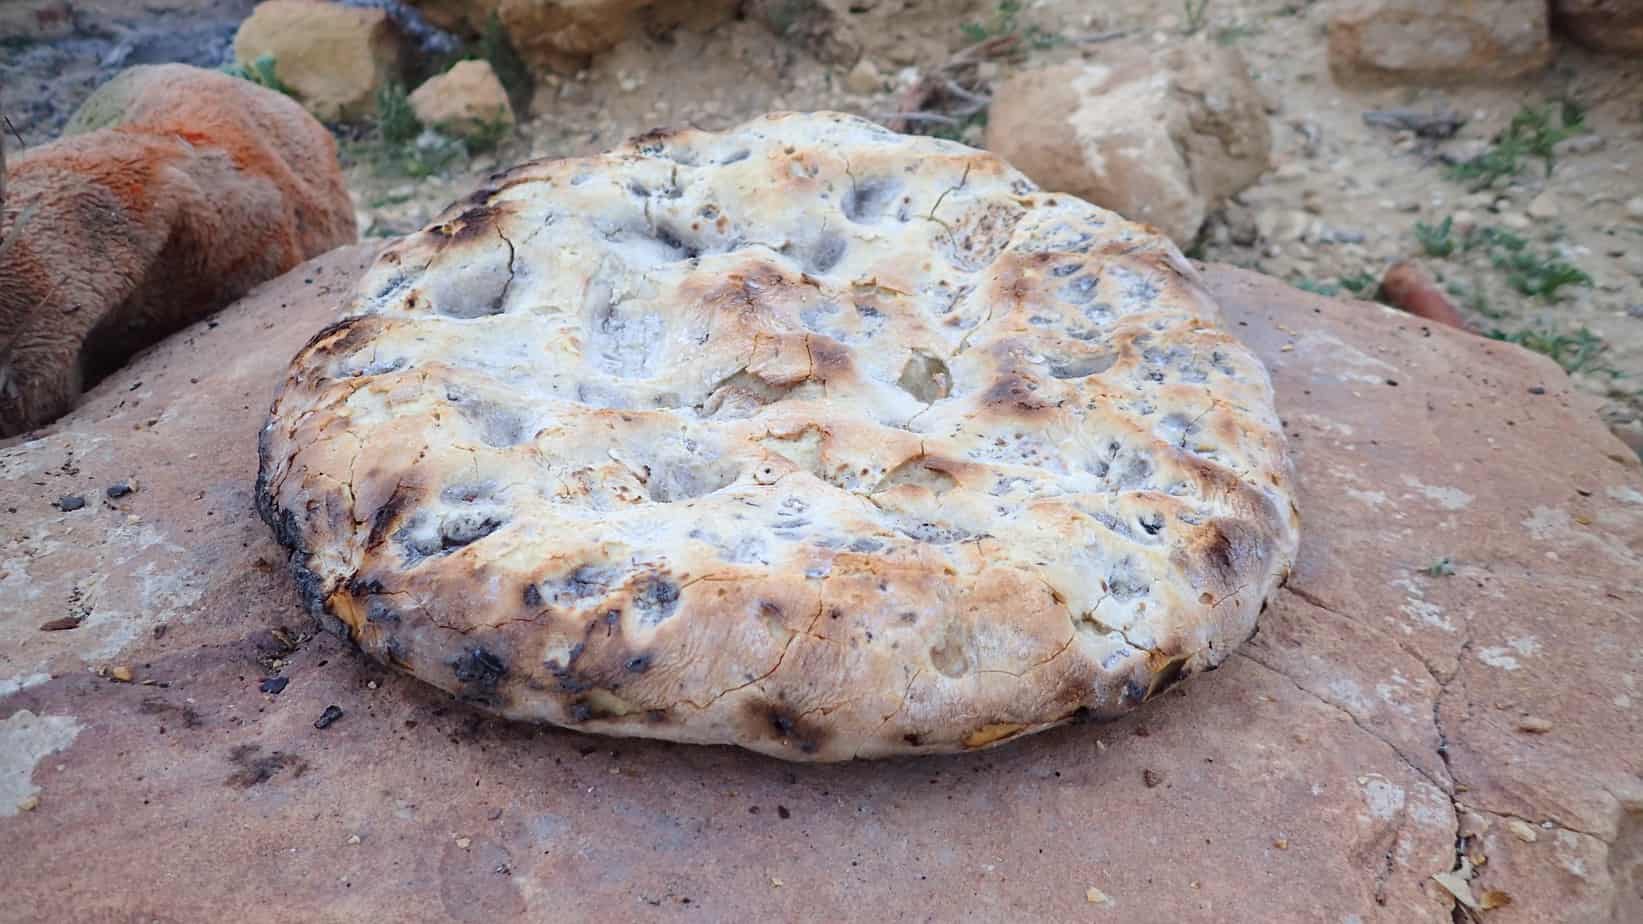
{"x":175,"y":191}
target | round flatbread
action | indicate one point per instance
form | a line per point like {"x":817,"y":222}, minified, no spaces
{"x":804,"y":436}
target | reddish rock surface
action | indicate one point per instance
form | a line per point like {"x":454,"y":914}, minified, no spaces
{"x":1388,"y":703}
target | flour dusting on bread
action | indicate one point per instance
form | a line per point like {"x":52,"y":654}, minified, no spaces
{"x":805,"y":436}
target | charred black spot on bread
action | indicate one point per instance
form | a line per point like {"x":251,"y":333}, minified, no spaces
{"x":1017,"y":393}
{"x":465,"y":529}
{"x":653,"y":142}
{"x":387,"y":516}
{"x":1134,"y":692}
{"x":637,"y":664}
{"x":378,"y":610}
{"x":792,"y":730}
{"x":475,"y":224}
{"x":655,"y":600}
{"x":479,"y":671}
{"x":532,"y":597}
{"x":341,"y":336}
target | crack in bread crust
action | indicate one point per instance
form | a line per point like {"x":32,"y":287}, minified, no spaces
{"x":804,"y":436}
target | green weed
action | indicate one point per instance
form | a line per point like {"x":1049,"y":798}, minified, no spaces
{"x":1443,"y":567}
{"x":1531,"y":133}
{"x":261,"y":72}
{"x":396,"y":120}
{"x":1537,"y":275}
{"x":1005,"y":22}
{"x":1581,"y":351}
{"x":1436,"y":241}
{"x":1363,"y":285}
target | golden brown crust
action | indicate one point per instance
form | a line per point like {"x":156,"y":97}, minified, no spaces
{"x":806,"y":436}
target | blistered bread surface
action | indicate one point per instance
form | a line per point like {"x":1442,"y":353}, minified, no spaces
{"x":805,"y":436}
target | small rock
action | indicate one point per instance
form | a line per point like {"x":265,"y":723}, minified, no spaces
{"x":333,"y":57}
{"x":1151,"y":778}
{"x":1289,"y":170}
{"x":464,"y":842}
{"x":120,"y":674}
{"x":1534,"y":725}
{"x":353,"y":839}
{"x":29,"y":804}
{"x":62,"y":623}
{"x":1281,"y":843}
{"x":1095,"y":896}
{"x":1522,"y":830}
{"x":1634,"y":207}
{"x":70,"y":502}
{"x":1161,"y":136}
{"x":1542,"y":206}
{"x":274,"y":685}
{"x":864,"y":78}
{"x":465,"y":100}
{"x":1579,"y":144}
{"x":1462,"y":150}
{"x":328,"y":717}
{"x":119,"y":489}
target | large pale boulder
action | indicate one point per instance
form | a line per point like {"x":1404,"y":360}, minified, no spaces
{"x":1451,"y":670}
{"x":464,"y":100}
{"x":1377,"y":42}
{"x":1162,"y":137}
{"x":1606,"y":25}
{"x":334,"y":58}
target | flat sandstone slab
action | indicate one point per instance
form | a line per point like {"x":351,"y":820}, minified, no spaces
{"x":1322,"y":774}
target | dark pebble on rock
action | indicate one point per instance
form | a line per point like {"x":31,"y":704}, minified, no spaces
{"x":273,"y":685}
{"x":70,"y":502}
{"x":331,"y":714}
{"x":117,"y":491}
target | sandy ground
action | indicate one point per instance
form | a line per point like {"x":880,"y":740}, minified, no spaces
{"x":1343,"y":199}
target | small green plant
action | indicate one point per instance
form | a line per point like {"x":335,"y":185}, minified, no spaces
{"x":1443,"y":567}
{"x":1363,"y":285}
{"x":1317,"y":287}
{"x":1436,"y":241}
{"x":261,"y":72}
{"x":1581,"y":351}
{"x":489,"y":134}
{"x":1531,"y":133}
{"x":1231,"y":35}
{"x":396,"y":120}
{"x":1005,"y":22}
{"x":1537,"y":275}
{"x":1493,"y":238}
